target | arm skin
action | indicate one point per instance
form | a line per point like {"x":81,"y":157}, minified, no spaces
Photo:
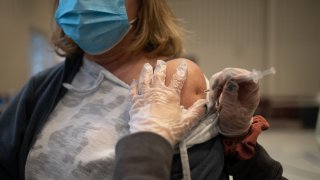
{"x":195,"y":84}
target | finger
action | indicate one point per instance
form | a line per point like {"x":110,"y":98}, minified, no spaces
{"x":217,"y":83}
{"x":237,"y":74}
{"x":194,"y":113}
{"x":133,"y":88}
{"x":216,"y":92}
{"x":136,"y":103}
{"x":249,"y":94}
{"x":214,"y":99}
{"x":145,"y":78}
{"x":159,"y":73}
{"x":248,"y":89}
{"x":197,"y":108}
{"x":229,"y":94}
{"x":179,"y":77}
{"x":215,"y":79}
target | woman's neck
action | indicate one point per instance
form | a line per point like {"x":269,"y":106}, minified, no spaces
{"x":123,"y":64}
{"x":113,"y":60}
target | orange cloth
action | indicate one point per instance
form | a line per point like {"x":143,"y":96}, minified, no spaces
{"x":244,"y":148}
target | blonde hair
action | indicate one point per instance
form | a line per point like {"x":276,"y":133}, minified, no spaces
{"x":156,"y":30}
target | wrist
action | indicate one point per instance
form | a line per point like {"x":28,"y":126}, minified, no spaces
{"x":166,"y":135}
{"x":159,"y":131}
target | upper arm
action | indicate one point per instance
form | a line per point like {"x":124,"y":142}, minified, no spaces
{"x":195,"y":84}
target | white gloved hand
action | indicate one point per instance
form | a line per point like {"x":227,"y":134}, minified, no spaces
{"x":235,"y":96}
{"x":156,"y":107}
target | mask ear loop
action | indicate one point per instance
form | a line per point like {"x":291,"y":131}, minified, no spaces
{"x":131,"y":22}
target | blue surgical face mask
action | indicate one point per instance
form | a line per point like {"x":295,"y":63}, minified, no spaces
{"x":96,"y":26}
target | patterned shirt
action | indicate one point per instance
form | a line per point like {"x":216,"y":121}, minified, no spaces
{"x":78,"y":140}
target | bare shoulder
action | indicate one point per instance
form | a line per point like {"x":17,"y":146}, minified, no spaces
{"x":195,"y":84}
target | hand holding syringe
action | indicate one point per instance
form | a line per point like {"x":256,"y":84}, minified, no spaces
{"x":234,"y":94}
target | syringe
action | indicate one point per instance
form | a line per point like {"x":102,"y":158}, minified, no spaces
{"x":255,"y":75}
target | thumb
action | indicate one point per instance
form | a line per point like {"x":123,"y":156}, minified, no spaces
{"x":192,"y":115}
{"x":229,"y":94}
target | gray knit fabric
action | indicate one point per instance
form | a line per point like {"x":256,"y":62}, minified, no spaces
{"x":79,"y":138}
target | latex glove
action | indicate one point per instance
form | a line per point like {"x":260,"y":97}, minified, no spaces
{"x":235,"y":96}
{"x":156,"y":107}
